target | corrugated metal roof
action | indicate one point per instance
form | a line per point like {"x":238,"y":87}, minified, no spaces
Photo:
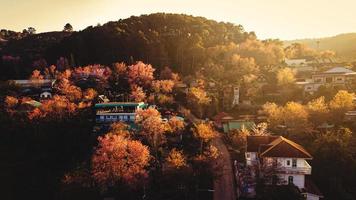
{"x":339,"y":70}
{"x":33,"y":103}
{"x":238,"y":125}
{"x":123,"y":104}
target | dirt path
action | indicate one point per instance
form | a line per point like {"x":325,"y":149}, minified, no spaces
{"x":224,"y":185}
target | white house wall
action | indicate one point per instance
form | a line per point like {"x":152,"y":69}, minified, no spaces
{"x":282,"y":162}
{"x":251,"y":158}
{"x":312,"y":197}
{"x":298,"y":180}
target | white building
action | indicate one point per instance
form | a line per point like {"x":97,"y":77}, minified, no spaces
{"x":288,"y":160}
{"x":300,"y":65}
{"x":335,"y":77}
{"x":117,"y":111}
{"x":253,"y":146}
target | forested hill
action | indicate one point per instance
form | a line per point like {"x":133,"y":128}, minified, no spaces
{"x":344,"y":44}
{"x":160,"y":39}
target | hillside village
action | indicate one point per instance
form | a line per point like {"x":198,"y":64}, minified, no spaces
{"x":226,"y":121}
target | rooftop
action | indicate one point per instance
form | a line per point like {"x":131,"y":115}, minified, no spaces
{"x":124,"y":104}
{"x":311,"y":188}
{"x":37,"y":81}
{"x":254,"y":142}
{"x":276,"y":146}
{"x":232,"y":124}
{"x":282,"y":147}
{"x":33,"y":103}
{"x":339,"y":70}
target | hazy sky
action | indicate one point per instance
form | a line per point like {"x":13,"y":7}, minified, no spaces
{"x":285,"y":19}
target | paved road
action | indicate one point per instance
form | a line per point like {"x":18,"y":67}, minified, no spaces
{"x":224,"y":184}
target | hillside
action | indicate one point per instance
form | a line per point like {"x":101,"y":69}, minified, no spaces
{"x":344,"y":45}
{"x":20,"y":55}
{"x":161,"y":39}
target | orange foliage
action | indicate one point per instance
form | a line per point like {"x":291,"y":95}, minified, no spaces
{"x":198,"y":96}
{"x":57,"y":107}
{"x":167,"y":86}
{"x":204,"y":132}
{"x":151,"y":99}
{"x":137,"y":94}
{"x":152,"y":127}
{"x":72,"y":92}
{"x":35,"y":113}
{"x":119,"y":128}
{"x":120,"y":68}
{"x":11,"y":102}
{"x":175,"y":77}
{"x":83,"y":104}
{"x":36,"y":75}
{"x":66,"y":74}
{"x":165,"y":99}
{"x":156,"y":86}
{"x":119,"y":160}
{"x":176,"y":159}
{"x":90,"y":94}
{"x":51,"y":72}
{"x":142,"y":115}
{"x":212,"y":152}
{"x":176,"y":124}
{"x":164,"y":86}
{"x":93,"y":70}
{"x":141,"y":74}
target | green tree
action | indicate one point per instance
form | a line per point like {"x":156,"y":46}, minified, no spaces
{"x":31,"y":30}
{"x":333,"y":155}
{"x":68,"y":28}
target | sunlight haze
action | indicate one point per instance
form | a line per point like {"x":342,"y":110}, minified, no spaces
{"x":269,"y":19}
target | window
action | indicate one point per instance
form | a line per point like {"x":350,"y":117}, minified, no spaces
{"x":339,"y":79}
{"x":247,"y":155}
{"x":318,"y":80}
{"x":132,"y":118}
{"x":288,"y":162}
{"x":120,"y":109}
{"x":329,"y":79}
{"x":290,"y":179}
{"x":294,"y":163}
{"x":275,"y":162}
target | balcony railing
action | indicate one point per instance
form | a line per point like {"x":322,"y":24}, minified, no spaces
{"x":296,"y":170}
